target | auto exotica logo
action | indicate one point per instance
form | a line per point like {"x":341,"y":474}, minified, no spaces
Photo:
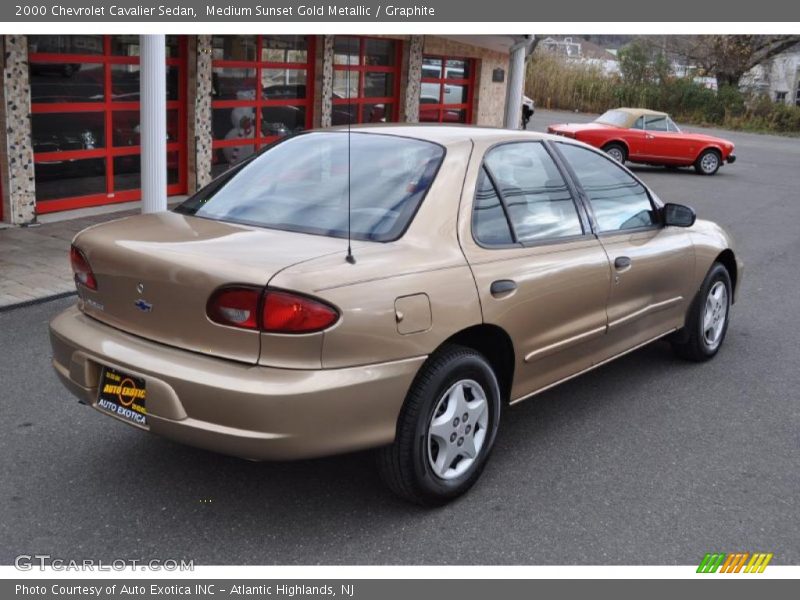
{"x":743,"y":562}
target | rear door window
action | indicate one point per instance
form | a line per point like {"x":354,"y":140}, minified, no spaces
{"x":535,"y":196}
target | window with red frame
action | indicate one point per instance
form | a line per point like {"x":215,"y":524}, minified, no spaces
{"x":366,"y":80}
{"x":262,"y":90}
{"x":447,"y":89}
{"x":85,"y":119}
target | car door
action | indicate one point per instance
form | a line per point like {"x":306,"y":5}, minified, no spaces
{"x":665,"y":142}
{"x":541,"y":275}
{"x":652,"y":265}
{"x":636,"y":139}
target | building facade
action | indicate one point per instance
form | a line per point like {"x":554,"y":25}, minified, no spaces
{"x":778,"y":78}
{"x":70,"y":104}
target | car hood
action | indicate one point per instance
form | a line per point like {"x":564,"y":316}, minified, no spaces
{"x":705,"y":138}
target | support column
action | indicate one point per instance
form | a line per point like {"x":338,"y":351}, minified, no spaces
{"x":414,"y":80}
{"x":516,"y":82}
{"x":16,"y":154}
{"x":153,"y":94}
{"x":326,"y":108}
{"x":202,"y":111}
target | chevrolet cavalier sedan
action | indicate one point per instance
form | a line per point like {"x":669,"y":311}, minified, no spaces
{"x":485,"y":267}
{"x":650,"y":137}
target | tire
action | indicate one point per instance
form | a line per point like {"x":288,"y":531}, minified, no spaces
{"x":617,"y":152}
{"x":699,"y":340}
{"x":451,"y":382}
{"x":708,"y":162}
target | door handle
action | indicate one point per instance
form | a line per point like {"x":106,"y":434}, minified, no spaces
{"x":622,"y":262}
{"x":502,"y":287}
{"x":650,"y":137}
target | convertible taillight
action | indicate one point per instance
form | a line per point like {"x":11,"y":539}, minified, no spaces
{"x":270,"y":311}
{"x":83,"y":271}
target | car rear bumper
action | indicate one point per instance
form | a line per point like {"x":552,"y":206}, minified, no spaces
{"x":731,"y":159}
{"x":250,"y":411}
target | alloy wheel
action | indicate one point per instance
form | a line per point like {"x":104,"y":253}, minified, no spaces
{"x":709,"y":163}
{"x":715,"y":314}
{"x":457,"y":431}
{"x":616,"y":153}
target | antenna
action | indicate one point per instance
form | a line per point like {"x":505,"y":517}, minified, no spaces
{"x":349,"y":258}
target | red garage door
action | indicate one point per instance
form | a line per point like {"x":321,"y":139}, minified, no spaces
{"x":448,"y":85}
{"x":85,"y":119}
{"x":263,"y":89}
{"x":366,"y":79}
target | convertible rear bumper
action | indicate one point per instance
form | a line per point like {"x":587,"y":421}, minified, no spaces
{"x":731,"y":159}
{"x":244,"y":410}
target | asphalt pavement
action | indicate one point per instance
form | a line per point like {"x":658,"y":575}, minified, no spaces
{"x":648,"y":460}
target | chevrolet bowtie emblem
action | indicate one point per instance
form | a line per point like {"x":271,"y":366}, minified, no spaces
{"x":143,"y":305}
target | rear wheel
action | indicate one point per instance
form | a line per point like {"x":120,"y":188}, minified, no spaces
{"x":708,"y":318}
{"x":616,"y":151}
{"x":446,"y":428}
{"x":708,"y":162}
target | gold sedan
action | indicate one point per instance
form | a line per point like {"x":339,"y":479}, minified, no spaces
{"x":389,"y":288}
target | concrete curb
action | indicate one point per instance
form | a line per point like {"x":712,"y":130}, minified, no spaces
{"x":35,"y":301}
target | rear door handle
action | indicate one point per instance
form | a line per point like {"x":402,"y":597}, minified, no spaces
{"x":622,"y":262}
{"x":502,"y":287}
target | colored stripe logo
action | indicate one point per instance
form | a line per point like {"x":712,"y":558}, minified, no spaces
{"x":739,"y":562}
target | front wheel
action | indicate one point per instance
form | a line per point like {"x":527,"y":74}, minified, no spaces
{"x":446,"y":428}
{"x":708,"y":162}
{"x":708,"y":318}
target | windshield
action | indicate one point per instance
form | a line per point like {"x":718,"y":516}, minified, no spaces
{"x":613,"y":117}
{"x":301,"y":184}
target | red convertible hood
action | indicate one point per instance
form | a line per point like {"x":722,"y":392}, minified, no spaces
{"x":703,"y":138}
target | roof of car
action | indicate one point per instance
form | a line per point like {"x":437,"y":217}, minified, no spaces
{"x":640,"y":111}
{"x":445,"y":134}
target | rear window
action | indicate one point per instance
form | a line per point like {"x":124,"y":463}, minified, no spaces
{"x":613,"y":117}
{"x":301,"y":184}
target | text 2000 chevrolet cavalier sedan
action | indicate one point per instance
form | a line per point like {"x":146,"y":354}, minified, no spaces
{"x":489,"y":266}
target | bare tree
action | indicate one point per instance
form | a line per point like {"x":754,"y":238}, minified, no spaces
{"x":729,"y":57}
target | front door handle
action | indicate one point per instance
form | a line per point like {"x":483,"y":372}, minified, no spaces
{"x":622,"y":262}
{"x":502,"y":287}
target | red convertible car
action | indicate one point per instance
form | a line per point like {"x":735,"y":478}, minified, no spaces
{"x":649,"y":137}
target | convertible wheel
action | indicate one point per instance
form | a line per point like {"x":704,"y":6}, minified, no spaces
{"x":708,"y":162}
{"x":708,"y":318}
{"x":446,"y":428}
{"x":617,"y":152}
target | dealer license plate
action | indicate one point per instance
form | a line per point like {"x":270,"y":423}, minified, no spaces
{"x":123,"y":395}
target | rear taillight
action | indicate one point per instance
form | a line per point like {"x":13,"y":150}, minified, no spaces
{"x":270,"y":311}
{"x":284,"y":312}
{"x":235,"y":306}
{"x":81,"y":268}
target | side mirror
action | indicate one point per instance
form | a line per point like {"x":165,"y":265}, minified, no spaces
{"x":678,"y":215}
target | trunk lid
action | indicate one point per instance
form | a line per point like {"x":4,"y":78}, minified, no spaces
{"x":156,"y":272}
{"x":573,"y":128}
